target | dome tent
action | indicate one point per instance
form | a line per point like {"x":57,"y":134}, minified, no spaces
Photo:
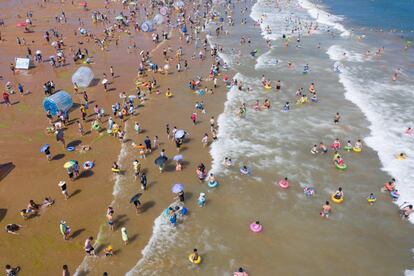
{"x":61,"y":100}
{"x":83,"y":76}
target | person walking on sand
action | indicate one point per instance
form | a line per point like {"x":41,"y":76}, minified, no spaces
{"x":137,"y":168}
{"x":110,"y":216}
{"x":111,"y":70}
{"x":64,"y":230}
{"x":48,"y":154}
{"x":212,"y":123}
{"x":63,"y":188}
{"x":143,"y":180}
{"x":194,"y":118}
{"x":167,"y":130}
{"x":11,"y":271}
{"x":89,"y":250}
{"x":6,"y":98}
{"x":204,"y":140}
{"x":65,"y":270}
{"x":124,"y":235}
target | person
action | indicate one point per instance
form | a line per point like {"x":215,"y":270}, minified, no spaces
{"x":326,"y":210}
{"x":12,"y":271}
{"x":89,"y":250}
{"x":180,"y":196}
{"x":389,"y":187}
{"x":109,"y":251}
{"x":195,"y":255}
{"x":358,"y":144}
{"x":194,"y":118}
{"x":137,"y":205}
{"x":110,"y":216}
{"x":339,"y":194}
{"x":13,"y":228}
{"x":201,"y":201}
{"x":173,"y":219}
{"x":65,"y":271}
{"x":204,"y":140}
{"x":322,"y":147}
{"x":64,"y":230}
{"x":48,"y":154}
{"x":137,"y":127}
{"x":147,"y":142}
{"x":406,"y":211}
{"x":6,"y":98}
{"x":143,"y":180}
{"x":63,"y":188}
{"x":240,"y":272}
{"x":137,"y":168}
{"x":314,"y":149}
{"x":212,"y":123}
{"x":337,"y":118}
{"x":124,"y":235}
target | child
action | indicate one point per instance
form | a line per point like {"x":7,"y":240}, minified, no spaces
{"x":137,"y":127}
{"x":108,"y":251}
{"x":124,"y":235}
{"x":201,"y":201}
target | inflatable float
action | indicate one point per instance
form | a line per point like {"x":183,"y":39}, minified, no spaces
{"x":256,"y":227}
{"x":342,"y":167}
{"x":212,"y":184}
{"x":191,"y":259}
{"x":337,"y":201}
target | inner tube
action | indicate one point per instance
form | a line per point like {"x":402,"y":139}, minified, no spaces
{"x":356,"y":149}
{"x":168,"y":95}
{"x":399,"y":157}
{"x":115,"y":170}
{"x":88,"y":165}
{"x":256,"y":228}
{"x":96,"y":126}
{"x":348,"y":148}
{"x":212,"y":184}
{"x":394,"y":194}
{"x":267,"y":87}
{"x":336,"y":146}
{"x":371,"y":199}
{"x":284,"y":184}
{"x":338,"y":201}
{"x":70,"y":148}
{"x":244,"y":171}
{"x":309,"y":191}
{"x":342,"y":168}
{"x":191,"y":259}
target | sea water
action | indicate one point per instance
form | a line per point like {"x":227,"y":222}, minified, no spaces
{"x":351,"y":79}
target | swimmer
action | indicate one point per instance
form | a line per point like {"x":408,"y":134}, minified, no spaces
{"x":371,"y":199}
{"x":336,"y":144}
{"x":323,"y":148}
{"x":312,"y":88}
{"x":358,"y":144}
{"x":388,"y":187}
{"x":314,"y":149}
{"x":348,"y":145}
{"x":402,"y":155}
{"x":409,"y":131}
{"x":257,"y":106}
{"x":286,"y":107}
{"x":266,"y":104}
{"x":244,"y":170}
{"x":337,"y":118}
{"x":406,"y":211}
{"x":326,"y":210}
{"x":339,"y":194}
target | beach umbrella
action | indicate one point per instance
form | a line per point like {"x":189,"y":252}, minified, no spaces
{"x":119,"y":17}
{"x":44,"y":147}
{"x":133,"y":3}
{"x":158,"y":19}
{"x":178,"y":157}
{"x":69,"y":164}
{"x":177,"y":188}
{"x":22,"y":24}
{"x":179,"y":134}
{"x":83,"y":4}
{"x":160,"y":161}
{"x":135,"y":197}
{"x":201,"y":92}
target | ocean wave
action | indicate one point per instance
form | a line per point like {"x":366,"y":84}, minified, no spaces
{"x":388,"y":120}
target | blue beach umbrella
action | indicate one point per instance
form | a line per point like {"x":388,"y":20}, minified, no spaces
{"x":177,"y":188}
{"x":44,"y":148}
{"x":178,"y":157}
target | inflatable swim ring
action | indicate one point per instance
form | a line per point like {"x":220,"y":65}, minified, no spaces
{"x":267,"y":87}
{"x":256,"y":228}
{"x":356,"y":149}
{"x":342,"y":168}
{"x":394,"y":194}
{"x":309,"y":191}
{"x":338,"y":201}
{"x":168,"y":95}
{"x":347,"y":148}
{"x":88,"y":165}
{"x":115,"y":170}
{"x":96,"y":126}
{"x":196,"y":261}
{"x":71,"y":148}
{"x":244,"y":171}
{"x":212,"y":184}
{"x":371,"y":199}
{"x":284,"y":184}
{"x":399,"y":157}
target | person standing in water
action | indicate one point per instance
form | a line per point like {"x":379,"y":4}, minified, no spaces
{"x":337,"y":118}
{"x":326,"y":210}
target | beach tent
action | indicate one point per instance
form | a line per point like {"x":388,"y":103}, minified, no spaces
{"x":61,"y":100}
{"x":158,"y":19}
{"x":23,"y":63}
{"x":83,"y":76}
{"x":147,"y":26}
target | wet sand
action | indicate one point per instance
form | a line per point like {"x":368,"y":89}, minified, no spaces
{"x":39,"y":247}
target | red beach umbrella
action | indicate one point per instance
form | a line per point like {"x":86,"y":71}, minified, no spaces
{"x":22,"y":24}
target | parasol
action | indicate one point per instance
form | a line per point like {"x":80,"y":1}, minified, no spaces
{"x":179,"y":134}
{"x":178,"y":157}
{"x":160,"y":161}
{"x":44,"y":147}
{"x":177,"y":188}
{"x":135,"y":197}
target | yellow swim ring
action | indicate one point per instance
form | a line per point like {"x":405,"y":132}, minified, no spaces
{"x":401,"y":157}
{"x":196,"y":261}
{"x":337,"y":201}
{"x":356,"y":149}
{"x":115,"y":170}
{"x":267,"y":87}
{"x":168,"y":94}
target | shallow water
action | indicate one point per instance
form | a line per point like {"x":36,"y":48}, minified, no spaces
{"x":275,"y":144}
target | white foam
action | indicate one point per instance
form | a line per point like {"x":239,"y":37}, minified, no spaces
{"x":324,"y":17}
{"x":339,"y":53}
{"x":86,"y":262}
